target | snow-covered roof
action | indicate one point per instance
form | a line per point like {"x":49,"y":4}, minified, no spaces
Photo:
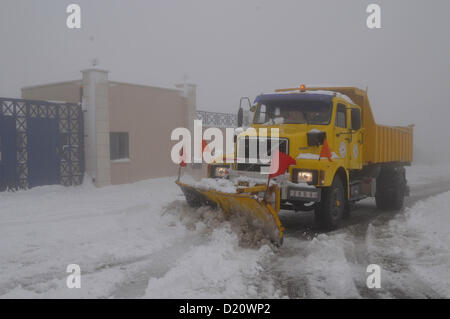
{"x":315,"y":92}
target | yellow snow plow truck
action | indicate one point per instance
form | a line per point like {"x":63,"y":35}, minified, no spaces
{"x":365,"y":160}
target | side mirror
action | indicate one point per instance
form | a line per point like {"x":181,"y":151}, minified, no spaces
{"x":240,"y":116}
{"x":315,"y":138}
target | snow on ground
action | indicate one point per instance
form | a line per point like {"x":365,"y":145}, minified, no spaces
{"x":122,"y":237}
{"x":217,"y":269}
{"x":47,"y":228}
{"x":142,"y":240}
{"x":424,"y":174}
{"x":221,"y":185}
{"x":316,"y":268}
{"x":421,"y":238}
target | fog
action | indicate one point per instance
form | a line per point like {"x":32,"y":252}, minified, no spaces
{"x":241,"y":48}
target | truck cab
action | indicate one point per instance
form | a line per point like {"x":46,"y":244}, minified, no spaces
{"x":306,"y":120}
{"x":341,"y":154}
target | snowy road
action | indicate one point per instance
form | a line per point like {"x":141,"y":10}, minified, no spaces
{"x":142,"y":240}
{"x":366,"y":238}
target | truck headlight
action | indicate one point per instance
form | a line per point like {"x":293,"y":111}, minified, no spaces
{"x":220,"y":172}
{"x":305,"y":176}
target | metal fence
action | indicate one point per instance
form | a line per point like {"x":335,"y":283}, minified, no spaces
{"x":215,"y":119}
{"x":41,"y":143}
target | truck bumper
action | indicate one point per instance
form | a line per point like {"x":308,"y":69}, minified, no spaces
{"x":304,"y":194}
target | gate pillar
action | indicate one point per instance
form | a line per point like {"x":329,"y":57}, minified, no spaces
{"x":96,"y":119}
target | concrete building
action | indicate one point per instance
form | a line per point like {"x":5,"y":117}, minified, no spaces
{"x":127,"y":126}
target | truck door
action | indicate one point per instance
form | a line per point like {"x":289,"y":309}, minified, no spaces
{"x":341,"y":145}
{"x":356,"y":141}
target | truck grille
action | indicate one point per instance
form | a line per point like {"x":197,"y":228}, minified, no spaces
{"x":244,"y":152}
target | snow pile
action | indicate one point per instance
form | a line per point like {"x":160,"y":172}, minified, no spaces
{"x":253,"y":181}
{"x":311,"y":156}
{"x":322,"y":92}
{"x":220,"y":269}
{"x":45,"y":229}
{"x":431,"y":255}
{"x":339,"y":95}
{"x":308,"y":156}
{"x":431,"y":218}
{"x":316,"y":268}
{"x":416,"y":246}
{"x":217,"y":184}
{"x":329,"y":273}
{"x":251,"y":233}
{"x":127,"y":239}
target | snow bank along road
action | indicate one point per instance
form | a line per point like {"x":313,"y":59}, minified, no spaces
{"x":142,"y":240}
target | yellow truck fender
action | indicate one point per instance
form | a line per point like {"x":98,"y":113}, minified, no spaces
{"x":343,"y":173}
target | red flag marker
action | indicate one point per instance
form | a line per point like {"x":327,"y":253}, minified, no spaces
{"x":183,"y":158}
{"x":182,"y":163}
{"x":280,"y":163}
{"x":205,"y":147}
{"x":325,"y":152}
{"x":278,"y":166}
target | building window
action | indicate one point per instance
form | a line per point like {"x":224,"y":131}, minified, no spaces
{"x":119,"y":145}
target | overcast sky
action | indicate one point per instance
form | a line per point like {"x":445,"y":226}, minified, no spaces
{"x":234,"y":48}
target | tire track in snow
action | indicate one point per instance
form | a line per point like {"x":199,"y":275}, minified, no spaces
{"x":398,"y":280}
{"x":154,"y":265}
{"x":313,"y":266}
{"x":366,"y":223}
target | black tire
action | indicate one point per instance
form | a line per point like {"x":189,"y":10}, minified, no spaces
{"x":330,"y":211}
{"x":391,"y":188}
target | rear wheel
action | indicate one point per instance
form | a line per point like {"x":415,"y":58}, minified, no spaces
{"x":391,"y":188}
{"x":329,"y":212}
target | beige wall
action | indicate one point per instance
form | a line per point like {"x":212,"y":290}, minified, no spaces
{"x":67,"y":91}
{"x":149,"y":115}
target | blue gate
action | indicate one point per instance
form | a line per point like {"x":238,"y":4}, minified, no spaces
{"x":43,"y":157}
{"x":8,"y":151}
{"x":41,"y":143}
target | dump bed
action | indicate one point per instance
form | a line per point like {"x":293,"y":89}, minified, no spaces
{"x":381,"y":144}
{"x":391,"y":144}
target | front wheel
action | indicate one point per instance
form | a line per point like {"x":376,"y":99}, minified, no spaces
{"x":329,"y":212}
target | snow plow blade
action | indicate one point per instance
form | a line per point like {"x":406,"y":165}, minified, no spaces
{"x":259,"y":214}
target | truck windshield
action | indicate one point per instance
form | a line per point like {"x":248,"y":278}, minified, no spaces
{"x":293,"y":112}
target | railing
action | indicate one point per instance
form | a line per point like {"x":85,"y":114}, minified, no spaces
{"x":23,"y":124}
{"x":217,"y":119}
